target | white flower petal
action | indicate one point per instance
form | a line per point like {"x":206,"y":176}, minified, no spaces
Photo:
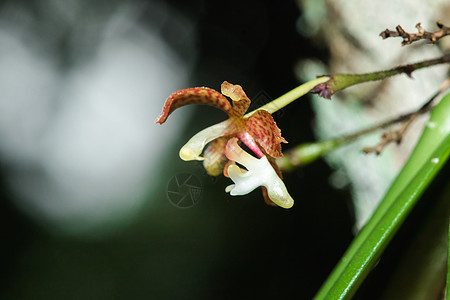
{"x":259,"y":173}
{"x":194,"y":147}
{"x":229,"y":188}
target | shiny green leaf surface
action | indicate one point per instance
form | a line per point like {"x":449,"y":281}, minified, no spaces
{"x":428,"y":157}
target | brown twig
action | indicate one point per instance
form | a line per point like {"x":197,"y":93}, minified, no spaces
{"x":408,"y":119}
{"x":409,"y":38}
{"x":391,"y":136}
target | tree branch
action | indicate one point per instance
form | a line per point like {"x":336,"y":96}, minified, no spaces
{"x":408,"y":119}
{"x":409,"y":38}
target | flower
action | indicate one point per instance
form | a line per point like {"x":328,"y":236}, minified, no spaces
{"x":218,"y":143}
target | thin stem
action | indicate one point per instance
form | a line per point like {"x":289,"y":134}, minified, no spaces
{"x":397,"y":135}
{"x":407,"y":69}
{"x":338,"y":82}
{"x":309,"y":152}
{"x":290,"y":96}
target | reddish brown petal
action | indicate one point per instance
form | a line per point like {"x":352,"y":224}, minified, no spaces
{"x":237,"y":94}
{"x":197,"y":95}
{"x":265,"y":131}
{"x":214,"y":155}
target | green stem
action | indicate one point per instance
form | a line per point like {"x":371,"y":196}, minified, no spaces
{"x":342,"y":81}
{"x":309,"y":152}
{"x":290,"y":96}
{"x":337,"y":82}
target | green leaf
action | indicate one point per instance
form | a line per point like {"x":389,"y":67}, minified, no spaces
{"x":448,"y":266}
{"x":428,"y":157}
{"x":425,"y":254}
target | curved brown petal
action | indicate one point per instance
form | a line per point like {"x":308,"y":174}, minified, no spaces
{"x":237,"y":94}
{"x":197,"y":95}
{"x":214,"y":155}
{"x":265,"y":131}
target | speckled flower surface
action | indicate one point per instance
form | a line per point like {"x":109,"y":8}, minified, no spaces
{"x":258,"y":132}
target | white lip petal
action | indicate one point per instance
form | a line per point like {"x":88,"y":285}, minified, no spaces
{"x":229,"y":188}
{"x":279,"y":194}
{"x":251,"y":182}
{"x":259,"y":173}
{"x":194,"y":147}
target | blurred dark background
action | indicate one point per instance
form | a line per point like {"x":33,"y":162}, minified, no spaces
{"x":223,"y":247}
